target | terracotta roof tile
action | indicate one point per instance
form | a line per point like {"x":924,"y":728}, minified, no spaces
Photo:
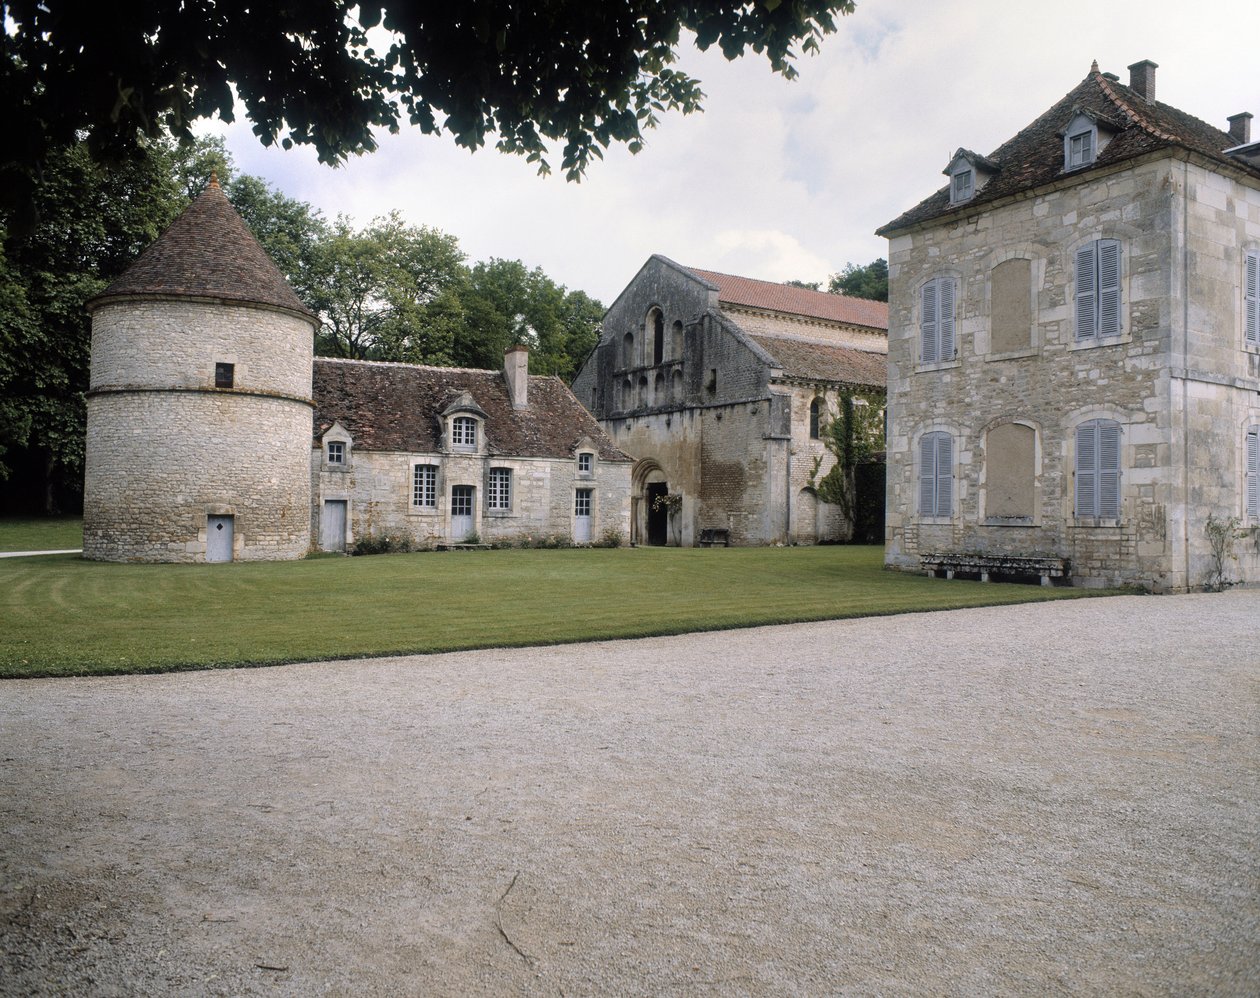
{"x":397,"y":407}
{"x":208,"y":252}
{"x":825,"y":361}
{"x":796,"y":301}
{"x":1035,"y":156}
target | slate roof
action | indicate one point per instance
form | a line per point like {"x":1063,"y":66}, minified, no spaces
{"x":1035,"y":156}
{"x":208,"y":252}
{"x":796,"y":301}
{"x":825,"y":361}
{"x":397,"y":407}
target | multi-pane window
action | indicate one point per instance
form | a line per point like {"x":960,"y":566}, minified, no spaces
{"x":936,"y":320}
{"x":1080,"y":149}
{"x":586,"y":463}
{"x":499,"y":492}
{"x":424,"y":486}
{"x":936,"y":474}
{"x":1251,"y":298}
{"x":1253,"y":473}
{"x":1098,"y":469}
{"x":464,"y":433}
{"x":582,"y":503}
{"x":962,"y":184}
{"x":1098,"y":290}
{"x":336,"y":452}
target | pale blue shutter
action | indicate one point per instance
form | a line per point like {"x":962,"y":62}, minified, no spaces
{"x":944,"y":474}
{"x":927,"y":475}
{"x":1086,"y":470}
{"x":1251,"y":298}
{"x":928,"y":324}
{"x":1109,"y":471}
{"x":1108,"y":288}
{"x":1253,"y":473}
{"x":946,"y":318}
{"x":1086,"y":285}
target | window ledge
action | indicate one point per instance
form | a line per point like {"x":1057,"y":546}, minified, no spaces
{"x":1093,"y":523}
{"x":940,"y":365}
{"x":422,"y":510}
{"x":936,"y":520}
{"x":1092,"y":344}
{"x":1012,"y":354}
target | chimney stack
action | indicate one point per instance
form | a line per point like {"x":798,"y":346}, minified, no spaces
{"x":1142,"y":79}
{"x":516,"y":373}
{"x":1240,"y":127}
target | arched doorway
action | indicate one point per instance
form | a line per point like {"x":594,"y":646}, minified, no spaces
{"x":650,"y":515}
{"x":805,"y":517}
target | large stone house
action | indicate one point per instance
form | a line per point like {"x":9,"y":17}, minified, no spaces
{"x":213,"y":433}
{"x":1074,"y":348}
{"x":718,"y":385}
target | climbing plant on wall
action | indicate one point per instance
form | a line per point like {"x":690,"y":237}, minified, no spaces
{"x":854,"y":435}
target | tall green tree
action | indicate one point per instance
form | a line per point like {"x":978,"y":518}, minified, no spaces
{"x":389,"y":291}
{"x":870,"y":281}
{"x":507,"y":303}
{"x":586,"y":75}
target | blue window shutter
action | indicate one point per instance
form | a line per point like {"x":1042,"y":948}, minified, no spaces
{"x":1251,"y":297}
{"x":1086,"y":285}
{"x":1109,"y":470}
{"x":1086,"y":470}
{"x":1108,"y":288}
{"x":947,"y":318}
{"x":944,"y":474}
{"x":927,"y":475}
{"x":928,"y":324}
{"x":1253,"y":472}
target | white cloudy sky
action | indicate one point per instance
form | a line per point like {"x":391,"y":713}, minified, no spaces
{"x":782,"y":180}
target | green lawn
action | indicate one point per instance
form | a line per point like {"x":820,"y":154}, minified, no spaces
{"x":49,"y":533}
{"x":65,"y":616}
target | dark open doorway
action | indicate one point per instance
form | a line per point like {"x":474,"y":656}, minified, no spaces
{"x":657,"y":513}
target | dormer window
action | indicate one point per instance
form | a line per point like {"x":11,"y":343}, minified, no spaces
{"x":336,"y":452}
{"x":1080,"y":148}
{"x":962,"y":186}
{"x":464,"y":433}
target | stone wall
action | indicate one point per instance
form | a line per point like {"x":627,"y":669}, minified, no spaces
{"x":1181,"y":229}
{"x":377,"y":486}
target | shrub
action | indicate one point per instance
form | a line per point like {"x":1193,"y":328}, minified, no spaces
{"x":381,"y":544}
{"x":610,"y":538}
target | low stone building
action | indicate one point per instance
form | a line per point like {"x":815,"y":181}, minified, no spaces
{"x":719,"y":386}
{"x":1074,"y":349}
{"x":199,"y":439}
{"x":440,"y":455}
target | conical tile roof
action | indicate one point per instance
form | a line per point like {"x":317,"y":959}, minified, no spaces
{"x":208,"y":252}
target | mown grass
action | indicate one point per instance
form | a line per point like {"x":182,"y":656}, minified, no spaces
{"x":65,"y":616}
{"x":49,"y":533}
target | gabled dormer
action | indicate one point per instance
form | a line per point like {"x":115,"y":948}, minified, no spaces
{"x":464,"y":426}
{"x":1085,"y":137}
{"x":968,"y":172}
{"x":336,"y":444}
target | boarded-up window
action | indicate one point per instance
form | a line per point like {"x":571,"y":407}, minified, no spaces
{"x":1009,"y":471}
{"x":1098,"y":469}
{"x":1010,"y":313}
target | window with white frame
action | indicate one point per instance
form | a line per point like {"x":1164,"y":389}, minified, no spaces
{"x":1251,"y":298}
{"x":936,"y":474}
{"x":1253,"y":473}
{"x":936,"y":320}
{"x":1079,"y":148}
{"x":336,"y":452}
{"x":585,"y":463}
{"x":499,"y":490}
{"x":582,"y":502}
{"x":1098,"y":470}
{"x":1097,"y":284}
{"x":424,"y":486}
{"x":464,"y":433}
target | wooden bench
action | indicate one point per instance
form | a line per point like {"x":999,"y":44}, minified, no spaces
{"x":987,"y":565}
{"x":710,"y":536}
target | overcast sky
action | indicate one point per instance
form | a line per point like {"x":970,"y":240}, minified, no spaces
{"x":780,"y":180}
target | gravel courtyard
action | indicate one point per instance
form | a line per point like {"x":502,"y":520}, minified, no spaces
{"x":1059,"y":798}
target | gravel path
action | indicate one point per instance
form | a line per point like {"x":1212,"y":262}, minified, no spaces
{"x":1060,"y":798}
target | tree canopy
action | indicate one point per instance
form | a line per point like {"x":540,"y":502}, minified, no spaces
{"x":870,"y":281}
{"x":573,"y":72}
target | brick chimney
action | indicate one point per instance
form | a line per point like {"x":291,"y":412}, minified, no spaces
{"x":516,"y":374}
{"x":1240,"y":127}
{"x":1142,"y":79}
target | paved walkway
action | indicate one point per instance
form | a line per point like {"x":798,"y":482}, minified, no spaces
{"x":1059,"y":798}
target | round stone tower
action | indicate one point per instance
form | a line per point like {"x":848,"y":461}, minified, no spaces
{"x":199,"y":406}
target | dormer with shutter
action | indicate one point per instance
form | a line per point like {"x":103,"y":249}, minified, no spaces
{"x":968,"y":172}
